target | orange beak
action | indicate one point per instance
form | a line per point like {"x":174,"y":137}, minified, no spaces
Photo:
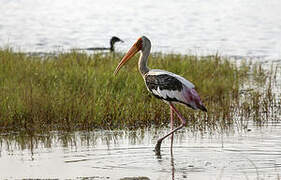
{"x":134,"y":49}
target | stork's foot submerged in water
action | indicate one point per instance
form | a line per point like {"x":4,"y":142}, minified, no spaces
{"x":158,"y":147}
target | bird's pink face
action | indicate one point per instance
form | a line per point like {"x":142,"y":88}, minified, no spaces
{"x":133,"y":50}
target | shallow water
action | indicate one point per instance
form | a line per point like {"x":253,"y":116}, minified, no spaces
{"x":241,"y":28}
{"x":253,"y":154}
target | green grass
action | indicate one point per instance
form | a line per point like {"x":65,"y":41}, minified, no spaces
{"x":75,"y":91}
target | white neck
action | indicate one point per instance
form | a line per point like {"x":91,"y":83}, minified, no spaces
{"x":142,"y":64}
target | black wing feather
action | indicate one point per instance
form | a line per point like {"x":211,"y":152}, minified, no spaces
{"x":163,"y":82}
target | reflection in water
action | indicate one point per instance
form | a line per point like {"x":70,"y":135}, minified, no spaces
{"x":172,"y":164}
{"x":120,"y":154}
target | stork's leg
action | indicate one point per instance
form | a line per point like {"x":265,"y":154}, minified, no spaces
{"x":172,"y":126}
{"x":183,"y":122}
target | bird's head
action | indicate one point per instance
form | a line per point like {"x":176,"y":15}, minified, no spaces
{"x":142,"y":44}
{"x":115,"y":39}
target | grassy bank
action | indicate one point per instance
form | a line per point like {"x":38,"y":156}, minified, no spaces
{"x":76,"y":91}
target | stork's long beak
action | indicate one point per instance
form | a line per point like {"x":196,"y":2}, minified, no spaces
{"x":134,"y":49}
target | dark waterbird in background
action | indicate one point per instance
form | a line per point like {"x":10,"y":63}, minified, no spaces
{"x":169,"y":87}
{"x":113,"y":40}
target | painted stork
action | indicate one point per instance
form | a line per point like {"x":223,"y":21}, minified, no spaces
{"x":169,"y":87}
{"x":112,"y":42}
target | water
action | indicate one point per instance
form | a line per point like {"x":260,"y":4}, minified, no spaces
{"x":120,"y":154}
{"x":240,"y":28}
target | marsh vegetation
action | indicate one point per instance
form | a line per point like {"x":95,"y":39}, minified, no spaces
{"x":77,"y":91}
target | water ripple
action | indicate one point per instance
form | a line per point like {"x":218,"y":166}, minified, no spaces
{"x":241,"y":28}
